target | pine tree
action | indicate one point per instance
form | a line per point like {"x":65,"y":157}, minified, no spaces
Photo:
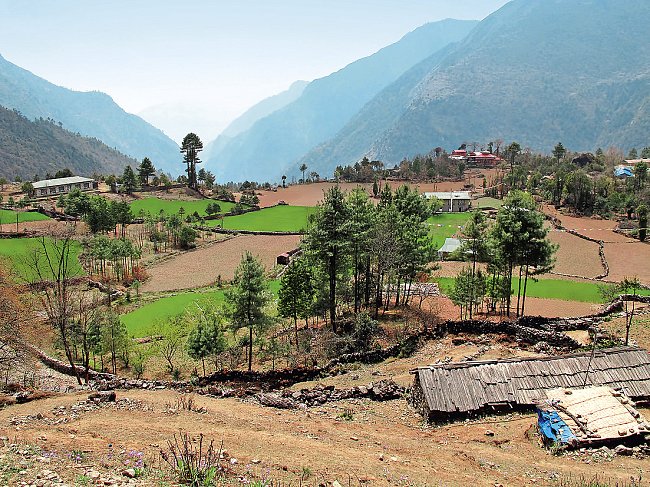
{"x":190,"y":147}
{"x":129,"y":181}
{"x":328,"y":240}
{"x":145,"y":171}
{"x":248,"y":299}
{"x":296,"y":292}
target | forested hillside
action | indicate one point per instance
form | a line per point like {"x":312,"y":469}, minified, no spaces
{"x":93,"y":114}
{"x":35,"y":148}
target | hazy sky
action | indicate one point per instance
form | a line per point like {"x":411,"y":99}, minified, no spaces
{"x":193,"y":65}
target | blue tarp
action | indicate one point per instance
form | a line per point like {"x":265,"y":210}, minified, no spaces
{"x":553,"y":428}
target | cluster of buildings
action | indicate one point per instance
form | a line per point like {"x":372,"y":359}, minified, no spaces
{"x":626,"y":170}
{"x":477,"y":158}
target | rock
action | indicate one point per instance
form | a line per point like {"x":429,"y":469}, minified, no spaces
{"x":93,"y":474}
{"x":102,"y":396}
{"x":256,"y":461}
{"x":623,"y":450}
{"x":276,"y":401}
{"x":129,"y":473}
{"x":489,"y":433}
{"x":336,"y":483}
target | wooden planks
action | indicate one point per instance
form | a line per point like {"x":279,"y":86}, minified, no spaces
{"x":467,"y":387}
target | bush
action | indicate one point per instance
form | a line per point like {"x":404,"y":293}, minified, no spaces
{"x":193,"y":464}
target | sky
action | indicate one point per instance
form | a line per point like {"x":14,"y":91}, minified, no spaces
{"x":194,"y":65}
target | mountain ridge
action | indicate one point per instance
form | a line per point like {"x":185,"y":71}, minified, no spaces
{"x":90,"y":113}
{"x":326,"y":104}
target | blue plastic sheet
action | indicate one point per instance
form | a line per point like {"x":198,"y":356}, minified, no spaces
{"x":553,"y":428}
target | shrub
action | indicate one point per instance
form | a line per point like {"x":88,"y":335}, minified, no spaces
{"x":193,"y":464}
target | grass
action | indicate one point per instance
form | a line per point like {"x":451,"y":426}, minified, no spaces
{"x":445,"y":225}
{"x":282,"y":218}
{"x":9,"y":216}
{"x":17,"y":252}
{"x":586,"y":292}
{"x":155,"y":205}
{"x":487,"y":203}
{"x":140,"y":321}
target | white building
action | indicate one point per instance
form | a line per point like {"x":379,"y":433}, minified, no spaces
{"x":452,"y":201}
{"x":54,"y":187}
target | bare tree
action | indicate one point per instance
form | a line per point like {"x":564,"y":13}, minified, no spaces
{"x":51,"y":269}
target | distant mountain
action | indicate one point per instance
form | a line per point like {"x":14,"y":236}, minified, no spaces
{"x":93,"y":114}
{"x":277,"y":141}
{"x":535,"y":71}
{"x":41,"y":146}
{"x":256,"y":112}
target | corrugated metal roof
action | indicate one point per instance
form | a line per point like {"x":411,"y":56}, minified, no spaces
{"x":472,"y":386}
{"x":46,"y":183}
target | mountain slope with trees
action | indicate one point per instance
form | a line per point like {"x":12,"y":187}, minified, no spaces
{"x":280,"y":139}
{"x":42,"y":146}
{"x":93,"y":114}
{"x":525,"y":73}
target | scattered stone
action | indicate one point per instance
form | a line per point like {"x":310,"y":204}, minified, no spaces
{"x":489,"y":433}
{"x":129,"y":473}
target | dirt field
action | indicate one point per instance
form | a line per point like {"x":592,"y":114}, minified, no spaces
{"x":549,"y":308}
{"x":625,"y":256}
{"x":202,"y":266}
{"x":311,"y":194}
{"x":628,"y":259}
{"x":384,"y":443}
{"x":576,"y":256}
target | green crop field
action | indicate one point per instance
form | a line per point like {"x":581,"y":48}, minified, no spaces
{"x":142,"y":320}
{"x":587,"y":292}
{"x":8,"y":216}
{"x":17,"y":252}
{"x":282,"y":218}
{"x":153,"y":206}
{"x":445,"y":225}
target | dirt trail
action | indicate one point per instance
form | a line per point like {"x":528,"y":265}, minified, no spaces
{"x":384,"y":443}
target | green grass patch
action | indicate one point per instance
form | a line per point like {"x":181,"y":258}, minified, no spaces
{"x":445,"y":225}
{"x":486,"y":203}
{"x":283,"y":218}
{"x":586,"y":292}
{"x":141,"y":321}
{"x":18,"y":252}
{"x":153,"y":206}
{"x":8,"y":216}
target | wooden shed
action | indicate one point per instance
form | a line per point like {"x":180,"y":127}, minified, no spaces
{"x":444,"y":392}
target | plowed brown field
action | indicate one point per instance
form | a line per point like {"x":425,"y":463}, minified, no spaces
{"x":201,"y":267}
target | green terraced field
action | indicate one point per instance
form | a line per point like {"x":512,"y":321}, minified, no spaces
{"x":142,"y":320}
{"x":17,"y":251}
{"x":586,"y":292}
{"x":8,"y":216}
{"x":282,"y":218}
{"x":153,"y":206}
{"x":445,"y":225}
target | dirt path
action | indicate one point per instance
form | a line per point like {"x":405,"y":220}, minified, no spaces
{"x":201,"y":267}
{"x":383,"y":444}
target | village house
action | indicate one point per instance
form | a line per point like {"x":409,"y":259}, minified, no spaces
{"x":54,"y":187}
{"x":444,"y":392}
{"x":452,"y":201}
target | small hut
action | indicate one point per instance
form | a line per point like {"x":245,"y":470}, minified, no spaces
{"x":444,"y":392}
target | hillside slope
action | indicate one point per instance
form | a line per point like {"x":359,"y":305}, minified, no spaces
{"x":258,"y":111}
{"x":280,"y":139}
{"x":525,"y":73}
{"x":93,"y":114}
{"x":28,"y":148}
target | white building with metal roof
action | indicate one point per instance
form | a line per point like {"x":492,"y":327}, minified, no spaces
{"x":54,"y":187}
